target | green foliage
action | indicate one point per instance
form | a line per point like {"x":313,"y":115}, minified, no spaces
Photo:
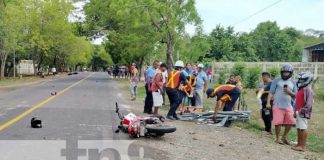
{"x":222,"y":77}
{"x":274,"y":72}
{"x":253,"y":77}
{"x":240,"y":69}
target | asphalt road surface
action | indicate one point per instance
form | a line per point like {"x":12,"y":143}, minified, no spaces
{"x":82,"y":112}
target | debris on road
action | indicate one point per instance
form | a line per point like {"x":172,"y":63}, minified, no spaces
{"x":36,"y":123}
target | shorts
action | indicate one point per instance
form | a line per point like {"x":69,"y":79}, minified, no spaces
{"x":283,"y":116}
{"x":301,"y":123}
{"x":157,"y":99}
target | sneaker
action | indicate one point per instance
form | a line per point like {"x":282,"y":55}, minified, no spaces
{"x":176,"y":117}
{"x":170,"y":117}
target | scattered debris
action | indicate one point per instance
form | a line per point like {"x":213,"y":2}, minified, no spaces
{"x":36,"y":123}
{"x":53,"y":93}
{"x":221,"y":145}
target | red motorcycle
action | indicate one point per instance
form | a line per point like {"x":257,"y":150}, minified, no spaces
{"x":150,"y":126}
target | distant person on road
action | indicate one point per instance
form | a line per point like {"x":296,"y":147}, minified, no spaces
{"x":262,"y":94}
{"x":304,"y":104}
{"x":176,"y":77}
{"x":226,"y":96}
{"x":157,"y":88}
{"x":283,"y":90}
{"x":134,"y":81}
{"x":200,"y":88}
{"x":149,"y":74}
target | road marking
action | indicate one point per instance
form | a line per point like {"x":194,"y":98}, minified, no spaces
{"x":39,"y":105}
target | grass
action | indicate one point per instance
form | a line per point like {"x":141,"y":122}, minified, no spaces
{"x":315,"y":141}
{"x":15,"y":81}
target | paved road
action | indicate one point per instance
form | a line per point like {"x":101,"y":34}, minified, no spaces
{"x":83,"y":110}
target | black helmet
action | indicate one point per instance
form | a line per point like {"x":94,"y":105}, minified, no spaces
{"x":286,"y":68}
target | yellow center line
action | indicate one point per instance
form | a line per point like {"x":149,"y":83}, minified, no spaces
{"x":39,"y":105}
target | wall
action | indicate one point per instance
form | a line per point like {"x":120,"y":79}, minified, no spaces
{"x":317,"y":68}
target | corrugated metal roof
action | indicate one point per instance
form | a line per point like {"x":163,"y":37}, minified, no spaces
{"x":319,"y":46}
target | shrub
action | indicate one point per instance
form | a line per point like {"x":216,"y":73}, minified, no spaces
{"x":274,"y":72}
{"x":222,"y":77}
{"x":252,"y":80}
{"x":240,"y":69}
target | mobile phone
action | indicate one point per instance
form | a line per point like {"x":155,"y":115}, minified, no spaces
{"x":285,"y":86}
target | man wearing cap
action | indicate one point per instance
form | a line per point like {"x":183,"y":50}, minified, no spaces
{"x":176,"y":77}
{"x":200,"y":87}
{"x":225,"y":94}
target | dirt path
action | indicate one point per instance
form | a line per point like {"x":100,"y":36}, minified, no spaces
{"x":194,"y":141}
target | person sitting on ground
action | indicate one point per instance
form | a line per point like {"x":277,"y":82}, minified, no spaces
{"x":304,"y":103}
{"x":262,"y":94}
{"x":227,"y":94}
{"x":188,"y":96}
{"x":157,"y":88}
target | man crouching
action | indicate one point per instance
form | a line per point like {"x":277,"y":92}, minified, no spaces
{"x":226,"y":97}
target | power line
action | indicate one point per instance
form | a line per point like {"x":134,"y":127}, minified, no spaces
{"x":256,"y":13}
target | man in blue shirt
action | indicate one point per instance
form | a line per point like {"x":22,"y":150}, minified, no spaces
{"x":200,"y":88}
{"x":149,"y":74}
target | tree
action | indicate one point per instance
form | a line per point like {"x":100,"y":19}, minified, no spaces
{"x":271,"y":43}
{"x":160,"y":21}
{"x":11,"y":28}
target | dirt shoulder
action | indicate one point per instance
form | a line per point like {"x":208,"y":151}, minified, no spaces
{"x":195,"y":141}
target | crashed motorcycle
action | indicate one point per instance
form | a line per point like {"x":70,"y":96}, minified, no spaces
{"x":149,"y":126}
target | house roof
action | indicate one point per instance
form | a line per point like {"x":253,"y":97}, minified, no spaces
{"x":319,"y":46}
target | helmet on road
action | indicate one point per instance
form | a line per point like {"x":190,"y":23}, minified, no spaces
{"x":286,"y":68}
{"x":209,"y":92}
{"x":200,"y":65}
{"x":179,"y":64}
{"x":304,"y":79}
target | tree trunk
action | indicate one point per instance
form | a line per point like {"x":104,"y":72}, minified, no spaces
{"x":4,"y":55}
{"x":169,"y":53}
{"x":34,"y":59}
{"x":140,"y":67}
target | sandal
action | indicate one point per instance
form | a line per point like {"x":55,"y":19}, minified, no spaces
{"x":280,"y":142}
{"x":297,"y":148}
{"x":286,"y":142}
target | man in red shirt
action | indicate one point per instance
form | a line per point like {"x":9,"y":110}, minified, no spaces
{"x":304,"y":103}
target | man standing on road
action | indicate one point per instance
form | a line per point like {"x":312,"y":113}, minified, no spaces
{"x":149,"y":74}
{"x":157,"y":88}
{"x":283,"y":90}
{"x":176,"y":77}
{"x":133,"y":81}
{"x":200,"y":88}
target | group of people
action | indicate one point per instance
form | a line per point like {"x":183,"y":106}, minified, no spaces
{"x":286,"y":103}
{"x":183,"y":85}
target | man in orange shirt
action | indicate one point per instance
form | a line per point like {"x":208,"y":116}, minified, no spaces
{"x":227,"y":94}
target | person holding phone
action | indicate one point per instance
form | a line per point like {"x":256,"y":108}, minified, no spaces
{"x":282,"y":91}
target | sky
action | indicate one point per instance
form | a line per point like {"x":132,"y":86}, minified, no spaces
{"x":300,"y":14}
